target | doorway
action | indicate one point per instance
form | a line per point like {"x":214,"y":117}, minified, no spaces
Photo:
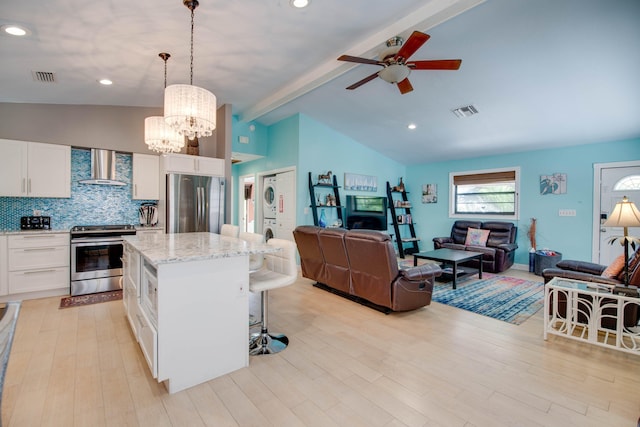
{"x":247,"y":202}
{"x":612,"y":181}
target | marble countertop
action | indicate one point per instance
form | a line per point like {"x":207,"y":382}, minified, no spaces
{"x":181,"y":247}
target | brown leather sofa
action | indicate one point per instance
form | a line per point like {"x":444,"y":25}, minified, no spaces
{"x":362,"y":265}
{"x":497,"y":256}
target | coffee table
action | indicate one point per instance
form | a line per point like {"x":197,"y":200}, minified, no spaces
{"x":451,"y":257}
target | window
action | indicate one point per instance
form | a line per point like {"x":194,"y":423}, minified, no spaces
{"x":489,"y":194}
{"x":631,"y":182}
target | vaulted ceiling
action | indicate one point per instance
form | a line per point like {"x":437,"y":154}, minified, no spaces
{"x":542,"y":73}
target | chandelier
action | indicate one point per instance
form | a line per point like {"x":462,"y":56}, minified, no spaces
{"x":188,"y":109}
{"x":158,"y":135}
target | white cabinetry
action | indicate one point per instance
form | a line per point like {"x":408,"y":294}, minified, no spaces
{"x":188,"y":164}
{"x":146,"y":177}
{"x":38,"y":262}
{"x":33,"y":169}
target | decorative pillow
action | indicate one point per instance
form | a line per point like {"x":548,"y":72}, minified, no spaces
{"x":476,"y":237}
{"x":633,"y":262}
{"x":614,"y":269}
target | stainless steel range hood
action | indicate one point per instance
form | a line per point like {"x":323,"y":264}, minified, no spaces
{"x":103,"y":168}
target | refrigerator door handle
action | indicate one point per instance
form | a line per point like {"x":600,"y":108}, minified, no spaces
{"x":198,"y":208}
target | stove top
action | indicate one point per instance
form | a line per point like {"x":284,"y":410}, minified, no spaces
{"x":111,"y":228}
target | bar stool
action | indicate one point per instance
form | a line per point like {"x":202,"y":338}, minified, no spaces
{"x":229,"y":230}
{"x":279,"y":270}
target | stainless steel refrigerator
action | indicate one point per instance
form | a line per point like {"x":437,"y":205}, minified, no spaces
{"x":194,"y":203}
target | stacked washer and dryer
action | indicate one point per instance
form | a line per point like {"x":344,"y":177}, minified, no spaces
{"x":270,"y":207}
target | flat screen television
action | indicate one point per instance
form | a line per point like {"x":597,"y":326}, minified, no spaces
{"x":366,"y":212}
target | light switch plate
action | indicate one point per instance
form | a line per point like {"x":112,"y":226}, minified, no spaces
{"x":567,"y":212}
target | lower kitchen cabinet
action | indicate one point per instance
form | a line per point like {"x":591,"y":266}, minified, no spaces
{"x":37,"y":262}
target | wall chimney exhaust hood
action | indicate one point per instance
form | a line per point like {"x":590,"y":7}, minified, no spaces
{"x":103,"y":168}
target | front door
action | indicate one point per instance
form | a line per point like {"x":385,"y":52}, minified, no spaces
{"x":616,"y":182}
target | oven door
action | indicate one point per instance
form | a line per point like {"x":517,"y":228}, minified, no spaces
{"x":96,"y":259}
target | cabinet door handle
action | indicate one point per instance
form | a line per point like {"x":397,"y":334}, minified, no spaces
{"x":38,"y":249}
{"x":39,"y":236}
{"x":29,"y":186}
{"x":51,"y":270}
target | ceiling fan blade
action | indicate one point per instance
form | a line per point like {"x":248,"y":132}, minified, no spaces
{"x":413,"y":43}
{"x":405,"y":86}
{"x":363,"y":81}
{"x":359,"y":60}
{"x":441,"y":64}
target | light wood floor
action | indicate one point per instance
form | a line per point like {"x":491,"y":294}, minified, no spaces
{"x":347,"y":365}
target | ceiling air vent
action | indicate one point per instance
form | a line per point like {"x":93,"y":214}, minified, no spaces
{"x":44,"y":76}
{"x":465,"y":111}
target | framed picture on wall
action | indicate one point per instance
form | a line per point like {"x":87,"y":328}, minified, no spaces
{"x":357,"y":182}
{"x":553,"y":184}
{"x":429,"y":193}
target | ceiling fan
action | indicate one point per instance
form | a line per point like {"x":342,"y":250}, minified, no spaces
{"x":396,"y":68}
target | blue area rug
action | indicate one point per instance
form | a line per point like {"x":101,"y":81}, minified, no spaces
{"x":504,"y":298}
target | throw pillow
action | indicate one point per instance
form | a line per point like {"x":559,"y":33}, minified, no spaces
{"x":614,"y":269}
{"x":476,"y":237}
{"x":633,"y":262}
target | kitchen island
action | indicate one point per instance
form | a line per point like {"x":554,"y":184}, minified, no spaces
{"x":186,"y":299}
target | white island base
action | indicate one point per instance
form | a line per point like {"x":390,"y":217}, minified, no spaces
{"x":190,"y":315}
{"x":203,"y":312}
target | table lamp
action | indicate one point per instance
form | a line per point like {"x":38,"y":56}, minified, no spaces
{"x":625,"y":214}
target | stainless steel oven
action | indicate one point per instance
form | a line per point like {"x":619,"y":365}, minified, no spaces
{"x":96,"y":257}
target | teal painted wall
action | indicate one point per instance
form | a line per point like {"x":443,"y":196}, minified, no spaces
{"x":323,"y":149}
{"x":572,"y":236}
{"x":258,"y":138}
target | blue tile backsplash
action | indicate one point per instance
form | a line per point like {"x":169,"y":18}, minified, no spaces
{"x":88,"y":205}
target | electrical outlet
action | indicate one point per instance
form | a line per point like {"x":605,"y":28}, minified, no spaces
{"x":567,"y":212}
{"x":243,"y":139}
{"x":37,"y":212}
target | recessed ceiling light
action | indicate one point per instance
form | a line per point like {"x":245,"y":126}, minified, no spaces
{"x":412,"y":126}
{"x":105,"y":82}
{"x":15,"y":30}
{"x":299,"y":3}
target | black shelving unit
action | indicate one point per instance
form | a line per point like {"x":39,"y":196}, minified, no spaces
{"x":401,"y":218}
{"x":314,"y":203}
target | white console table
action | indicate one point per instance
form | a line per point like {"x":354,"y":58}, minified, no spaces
{"x":577,"y":310}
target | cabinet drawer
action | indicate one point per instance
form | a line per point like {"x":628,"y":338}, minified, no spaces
{"x":38,"y":258}
{"x":38,"y":240}
{"x":38,"y":280}
{"x":148,"y":339}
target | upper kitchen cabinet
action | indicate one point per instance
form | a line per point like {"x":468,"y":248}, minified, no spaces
{"x":146,"y":177}
{"x":188,"y":164}
{"x":33,"y":169}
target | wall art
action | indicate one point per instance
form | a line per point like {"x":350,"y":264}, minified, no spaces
{"x":553,"y":184}
{"x":357,"y":182}
{"x":429,"y":193}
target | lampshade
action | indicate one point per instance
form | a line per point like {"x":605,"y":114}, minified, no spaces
{"x":625,"y":214}
{"x":190,"y":110}
{"x":161,"y":137}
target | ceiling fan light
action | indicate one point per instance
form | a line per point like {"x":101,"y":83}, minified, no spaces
{"x":190,"y":110}
{"x":394,"y":73}
{"x":161,"y":137}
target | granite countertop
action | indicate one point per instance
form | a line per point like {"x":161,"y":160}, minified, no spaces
{"x":181,"y":247}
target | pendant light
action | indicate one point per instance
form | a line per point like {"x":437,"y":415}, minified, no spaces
{"x":189,"y":109}
{"x":158,"y":135}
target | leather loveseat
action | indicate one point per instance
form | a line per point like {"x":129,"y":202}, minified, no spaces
{"x":362,"y":265}
{"x":499,"y":252}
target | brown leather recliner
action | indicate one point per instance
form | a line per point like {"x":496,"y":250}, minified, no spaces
{"x":499,"y":253}
{"x":362,"y":264}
